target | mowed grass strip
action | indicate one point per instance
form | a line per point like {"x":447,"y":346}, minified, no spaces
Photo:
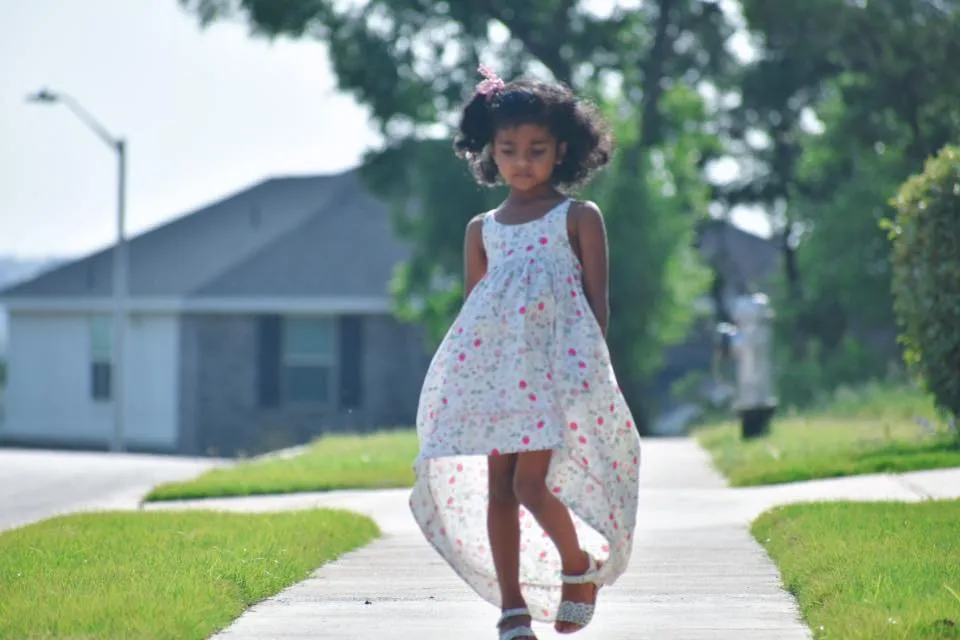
{"x":376,"y":461}
{"x":870,"y":571}
{"x":171,"y":574}
{"x":869,"y":431}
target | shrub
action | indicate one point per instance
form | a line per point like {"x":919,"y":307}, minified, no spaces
{"x":926,"y":274}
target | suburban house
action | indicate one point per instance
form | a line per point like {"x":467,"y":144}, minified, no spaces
{"x":259,"y":321}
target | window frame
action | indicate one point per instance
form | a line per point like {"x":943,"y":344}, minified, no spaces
{"x":329,"y":360}
{"x":100,"y":367}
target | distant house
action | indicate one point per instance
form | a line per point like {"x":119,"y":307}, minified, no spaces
{"x":259,"y":321}
{"x":12,"y":271}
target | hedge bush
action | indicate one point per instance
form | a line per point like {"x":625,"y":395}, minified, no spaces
{"x":926,"y":274}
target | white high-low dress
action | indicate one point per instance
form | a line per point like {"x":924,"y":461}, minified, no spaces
{"x":524,"y":368}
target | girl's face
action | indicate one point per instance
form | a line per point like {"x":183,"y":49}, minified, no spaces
{"x":526,"y":155}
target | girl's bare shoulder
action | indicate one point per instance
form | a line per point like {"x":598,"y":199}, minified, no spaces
{"x":581,"y":209}
{"x":583,"y":214}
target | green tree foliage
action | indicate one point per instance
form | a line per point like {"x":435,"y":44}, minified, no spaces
{"x":926,"y":276}
{"x":848,"y":99}
{"x":865,"y":56}
{"x":649,"y":196}
{"x":413,"y":61}
{"x":842,"y":330}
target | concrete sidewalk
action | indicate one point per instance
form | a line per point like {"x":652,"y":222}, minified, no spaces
{"x":697,"y":573}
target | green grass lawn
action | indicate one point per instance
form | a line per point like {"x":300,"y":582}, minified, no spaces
{"x":869,"y":431}
{"x":375,"y":461}
{"x":175,"y":575}
{"x":870,"y":571}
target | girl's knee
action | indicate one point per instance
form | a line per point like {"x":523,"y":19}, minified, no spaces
{"x":531,"y":490}
{"x":501,"y":490}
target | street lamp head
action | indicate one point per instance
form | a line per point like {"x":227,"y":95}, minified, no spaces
{"x":43,"y":96}
{"x":46,"y":96}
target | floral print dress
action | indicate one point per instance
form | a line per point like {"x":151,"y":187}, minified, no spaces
{"x":524,"y":368}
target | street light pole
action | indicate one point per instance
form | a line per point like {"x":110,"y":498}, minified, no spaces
{"x":120,"y":291}
{"x":120,"y":258}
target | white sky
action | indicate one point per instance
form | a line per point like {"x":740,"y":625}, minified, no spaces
{"x":205,"y":113}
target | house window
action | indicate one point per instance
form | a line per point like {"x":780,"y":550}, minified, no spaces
{"x":307,"y":360}
{"x":101,"y":351}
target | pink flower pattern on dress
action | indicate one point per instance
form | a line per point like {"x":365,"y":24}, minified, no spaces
{"x":525,"y":368}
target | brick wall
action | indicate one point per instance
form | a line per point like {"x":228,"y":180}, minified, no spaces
{"x":220,"y":410}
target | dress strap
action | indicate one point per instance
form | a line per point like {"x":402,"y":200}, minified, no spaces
{"x":488,"y":218}
{"x":486,"y":228}
{"x":559,"y":214}
{"x":560,"y":211}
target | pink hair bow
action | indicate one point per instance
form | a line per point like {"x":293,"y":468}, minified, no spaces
{"x":491,"y":84}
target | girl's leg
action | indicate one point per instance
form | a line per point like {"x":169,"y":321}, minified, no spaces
{"x":503,"y":528}
{"x":553,"y":516}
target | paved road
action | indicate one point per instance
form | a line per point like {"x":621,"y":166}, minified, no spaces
{"x":37,"y":484}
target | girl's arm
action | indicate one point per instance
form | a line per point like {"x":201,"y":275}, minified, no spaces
{"x":474,"y":257}
{"x":592,"y":241}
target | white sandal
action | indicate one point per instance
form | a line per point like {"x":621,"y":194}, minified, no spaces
{"x":580,"y":613}
{"x":515,"y":633}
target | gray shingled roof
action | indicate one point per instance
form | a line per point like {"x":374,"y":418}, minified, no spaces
{"x":298,"y":236}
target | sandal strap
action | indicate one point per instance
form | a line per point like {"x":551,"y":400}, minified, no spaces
{"x":514,"y":613}
{"x":589,"y":576}
{"x":522,"y":631}
{"x":517,"y":632}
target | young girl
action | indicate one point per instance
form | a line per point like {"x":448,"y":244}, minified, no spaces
{"x":521,"y":423}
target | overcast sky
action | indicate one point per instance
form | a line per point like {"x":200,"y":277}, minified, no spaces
{"x":205,"y":113}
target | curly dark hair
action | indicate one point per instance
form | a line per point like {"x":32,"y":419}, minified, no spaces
{"x":572,"y":120}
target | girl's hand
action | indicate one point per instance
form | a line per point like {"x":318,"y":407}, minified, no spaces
{"x":591,"y":239}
